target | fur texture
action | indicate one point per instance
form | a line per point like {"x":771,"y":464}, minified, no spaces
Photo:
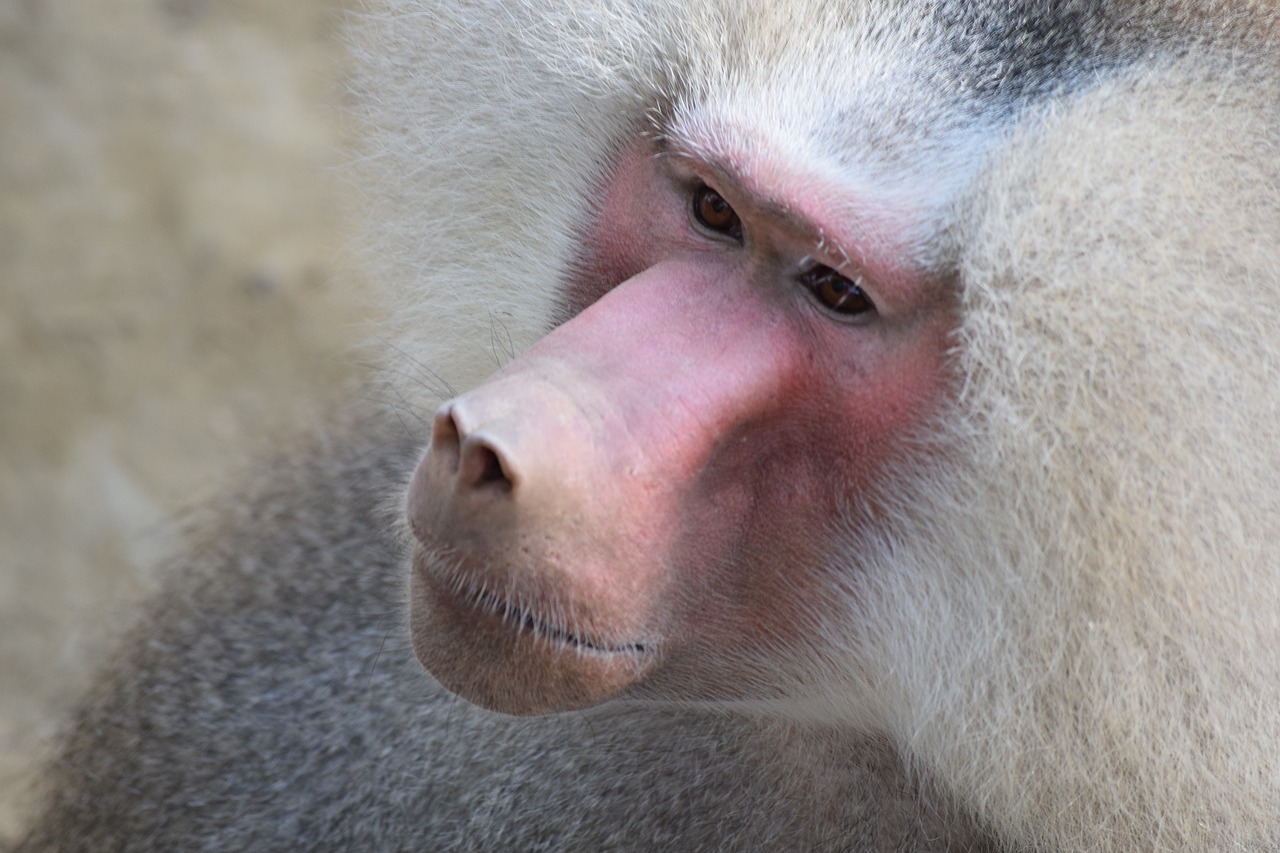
{"x":269,"y":700}
{"x":1063,"y":620}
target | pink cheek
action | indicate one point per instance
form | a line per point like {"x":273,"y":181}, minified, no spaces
{"x":861,"y":409}
{"x":899,"y":396}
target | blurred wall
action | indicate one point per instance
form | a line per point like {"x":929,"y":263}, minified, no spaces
{"x":175,"y":282}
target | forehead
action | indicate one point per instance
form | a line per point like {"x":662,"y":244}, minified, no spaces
{"x":889,"y":72}
{"x":892,"y":108}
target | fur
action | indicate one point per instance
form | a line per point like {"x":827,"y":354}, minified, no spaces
{"x":1060,"y":628}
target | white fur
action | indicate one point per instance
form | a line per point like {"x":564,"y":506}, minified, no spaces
{"x":1072,"y":620}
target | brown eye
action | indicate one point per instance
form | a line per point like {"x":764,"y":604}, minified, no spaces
{"x":837,"y":292}
{"x":715,"y":214}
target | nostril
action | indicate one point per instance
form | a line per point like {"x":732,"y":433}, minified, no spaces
{"x":445,"y":440}
{"x":462,"y":453}
{"x":482,"y":467}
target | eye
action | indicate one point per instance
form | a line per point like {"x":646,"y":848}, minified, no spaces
{"x":715,"y":214}
{"x":836,"y":292}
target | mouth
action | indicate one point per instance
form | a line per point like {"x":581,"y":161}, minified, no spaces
{"x":523,"y":621}
{"x":515,"y":615}
{"x":519,"y":650}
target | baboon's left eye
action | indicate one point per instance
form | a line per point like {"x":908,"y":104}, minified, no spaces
{"x":837,"y":292}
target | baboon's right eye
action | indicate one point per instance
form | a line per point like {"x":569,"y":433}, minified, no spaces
{"x":714,"y":213}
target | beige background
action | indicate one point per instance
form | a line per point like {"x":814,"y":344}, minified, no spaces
{"x":175,"y":283}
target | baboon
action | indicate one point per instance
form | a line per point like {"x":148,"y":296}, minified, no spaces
{"x":883,"y":454}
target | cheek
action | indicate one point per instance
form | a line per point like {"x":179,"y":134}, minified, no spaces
{"x":852,"y":402}
{"x":785,"y":478}
{"x":899,"y":386}
{"x":768,"y":524}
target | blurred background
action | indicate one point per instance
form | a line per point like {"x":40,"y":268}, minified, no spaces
{"x":177,"y":283}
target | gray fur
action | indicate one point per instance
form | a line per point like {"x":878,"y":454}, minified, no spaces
{"x":269,"y":701}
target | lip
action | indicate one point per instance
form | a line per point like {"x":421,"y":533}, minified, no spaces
{"x":519,"y":651}
{"x":497,"y":612}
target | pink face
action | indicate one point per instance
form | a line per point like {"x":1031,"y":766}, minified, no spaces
{"x":639,"y":503}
